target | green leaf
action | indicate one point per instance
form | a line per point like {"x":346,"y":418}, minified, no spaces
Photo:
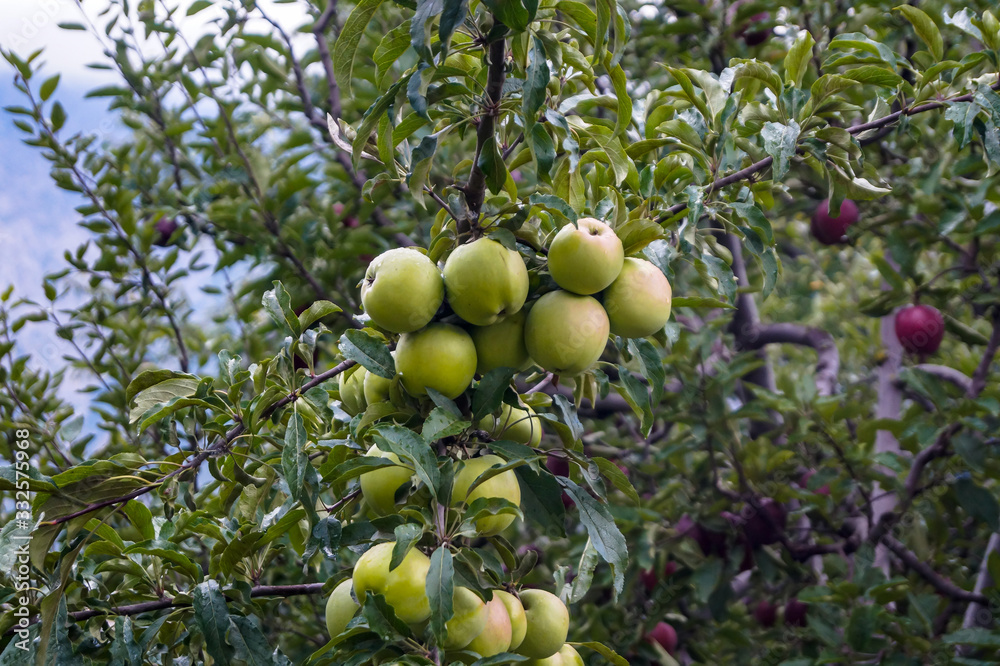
{"x":153,"y":377}
{"x":541,"y":499}
{"x":554,"y":203}
{"x":619,"y":83}
{"x":780,"y":142}
{"x":294,"y":459}
{"x":382,"y":619}
{"x":346,"y":48}
{"x":368,"y":351}
{"x":317,"y":311}
{"x":489,"y":393}
{"x":543,"y":149}
{"x":568,"y":415}
{"x":979,"y":502}
{"x":374,"y":114}
{"x":862,"y":627}
{"x":411,"y":446}
{"x":492,"y":165}
{"x":124,"y":650}
{"x":161,"y":392}
{"x":141,"y":518}
{"x":211,"y":616}
{"x":407,"y":536}
{"x":925,"y":28}
{"x":278,"y":305}
{"x":48,"y":87}
{"x":962,"y":114}
{"x":604,"y":533}
{"x":452,"y":15}
{"x":699,"y":302}
{"x":975,"y":637}
{"x":637,"y":397}
{"x":604,"y":651}
{"x":874,"y":75}
{"x":420,"y":28}
{"x":536,"y":81}
{"x":388,"y":51}
{"x":440,"y":589}
{"x":57,"y":117}
{"x":617,"y":477}
{"x":441,"y":423}
{"x":420,"y":166}
{"x":750,"y":74}
{"x":798,"y":57}
{"x":250,"y":645}
{"x":512,"y":14}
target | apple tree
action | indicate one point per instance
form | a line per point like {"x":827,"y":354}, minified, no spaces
{"x":438,"y":332}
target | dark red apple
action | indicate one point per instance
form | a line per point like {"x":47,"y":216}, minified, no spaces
{"x":920,"y":329}
{"x":665,"y":635}
{"x":765,"y":523}
{"x":669,"y":569}
{"x":649,"y":579}
{"x":766,"y":614}
{"x":558,"y":465}
{"x":710,"y":541}
{"x":831,"y":230}
{"x":795,"y":613}
{"x":755,"y":37}
{"x":164,"y":228}
{"x":804,"y":483}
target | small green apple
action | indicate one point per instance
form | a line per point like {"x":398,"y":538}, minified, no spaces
{"x":468,"y":620}
{"x":567,"y":656}
{"x":638,"y":302}
{"x":566,"y":333}
{"x":548,"y":624}
{"x":501,"y":345}
{"x":340,"y":608}
{"x":352,"y":390}
{"x":586,"y":257}
{"x":503,"y":485}
{"x":404,"y":588}
{"x":441,"y":357}
{"x":485,"y":281}
{"x":377,"y":388}
{"x":496,"y":636}
{"x":516,"y":424}
{"x":379,"y":486}
{"x":518,"y":621}
{"x":402,"y":290}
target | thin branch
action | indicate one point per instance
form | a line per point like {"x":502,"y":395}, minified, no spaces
{"x":948,"y":374}
{"x":475,"y":188}
{"x":983,"y":370}
{"x":943,"y":586}
{"x":828,"y":362}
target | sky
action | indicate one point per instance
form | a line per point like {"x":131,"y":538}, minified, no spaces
{"x":38,"y":222}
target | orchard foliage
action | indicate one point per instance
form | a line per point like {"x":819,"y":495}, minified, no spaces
{"x":770,"y":478}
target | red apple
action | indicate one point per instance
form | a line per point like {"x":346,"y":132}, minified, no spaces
{"x":795,"y":613}
{"x":651,"y":580}
{"x":755,"y":37}
{"x":558,"y":465}
{"x":831,"y":230}
{"x":766,"y":614}
{"x":804,"y":483}
{"x":665,"y":635}
{"x":165,"y":227}
{"x":766,"y":523}
{"x":920,"y":329}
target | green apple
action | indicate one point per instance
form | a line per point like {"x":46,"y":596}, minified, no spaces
{"x":467,"y":622}
{"x":566,"y":333}
{"x":352,"y":390}
{"x":503,"y":485}
{"x":402,"y":290}
{"x":404,"y":588}
{"x":496,"y":636}
{"x":638,"y":302}
{"x":518,"y":621}
{"x":485,"y":281}
{"x":567,"y":656}
{"x":501,"y":345}
{"x":340,"y":608}
{"x":586,"y":257}
{"x":379,"y":486}
{"x":516,"y":424}
{"x":548,"y":624}
{"x":441,"y":357}
{"x":377,"y":388}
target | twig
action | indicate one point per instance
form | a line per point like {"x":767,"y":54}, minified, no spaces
{"x":475,"y":188}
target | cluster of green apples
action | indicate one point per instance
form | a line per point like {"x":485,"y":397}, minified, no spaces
{"x":532,"y":623}
{"x":486,"y":285}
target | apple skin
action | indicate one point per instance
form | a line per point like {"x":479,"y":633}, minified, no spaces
{"x":649,"y":578}
{"x":795,"y":613}
{"x":164,"y":228}
{"x":352,"y":390}
{"x":496,"y":635}
{"x":515,"y":424}
{"x":804,"y":483}
{"x":340,"y":608}
{"x":567,"y":656}
{"x":638,"y":302}
{"x":440,"y":356}
{"x":484,"y":282}
{"x":665,"y":635}
{"x":765,"y":525}
{"x":766,"y":614}
{"x":503,"y":485}
{"x":518,"y":620}
{"x":566,"y":333}
{"x":586,"y":257}
{"x":709,"y":541}
{"x":404,"y":588}
{"x":920,"y":329}
{"x":548,"y":624}
{"x":501,"y":345}
{"x":379,"y":486}
{"x":558,"y":465}
{"x":467,"y":622}
{"x":402,"y":290}
{"x":831,"y":230}
{"x":376,"y":388}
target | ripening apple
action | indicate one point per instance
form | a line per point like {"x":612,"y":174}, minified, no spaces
{"x":665,"y":636}
{"x":485,"y":281}
{"x":404,"y":588}
{"x":766,"y":613}
{"x":501,"y":345}
{"x":518,"y":620}
{"x":831,"y":230}
{"x":467,"y":621}
{"x":503,"y":485}
{"x":566,"y":333}
{"x":586,"y":257}
{"x":379,"y":487}
{"x":441,"y":357}
{"x":638,"y":302}
{"x":340,"y":608}
{"x":766,"y":524}
{"x":567,"y":656}
{"x":377,"y":388}
{"x":920,"y":329}
{"x":548,"y":624}
{"x":795,"y":613}
{"x":496,"y":635}
{"x":352,"y":390}
{"x":515,"y":424}
{"x":402,"y":290}
{"x":163,"y":231}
